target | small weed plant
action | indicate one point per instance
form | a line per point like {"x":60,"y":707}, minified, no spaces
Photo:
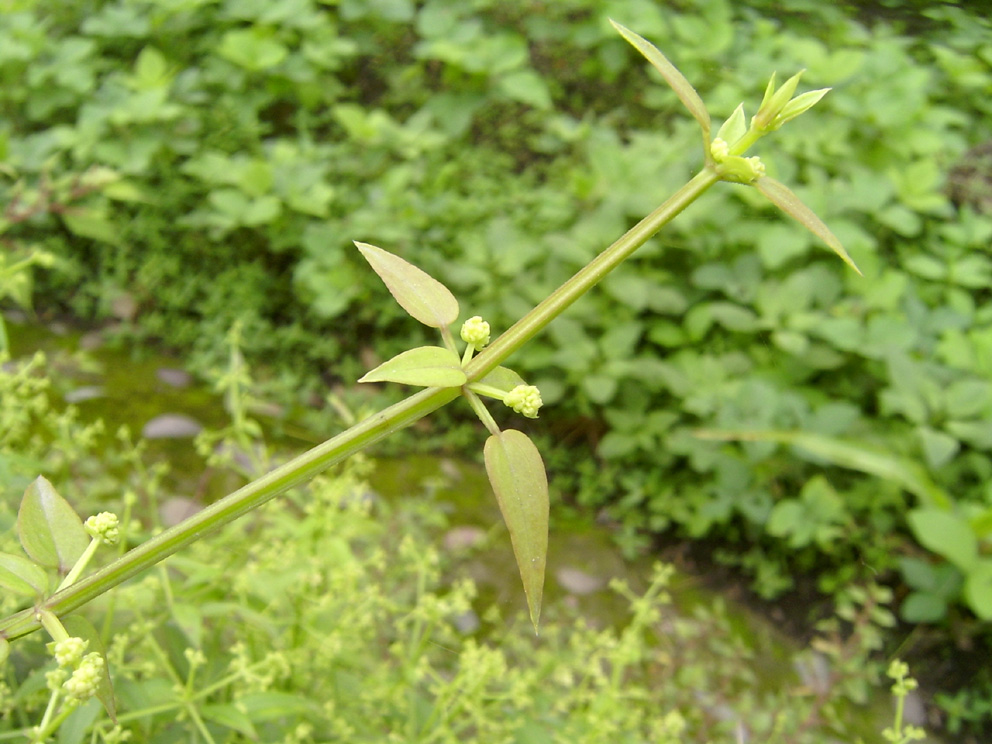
{"x":342,"y":589}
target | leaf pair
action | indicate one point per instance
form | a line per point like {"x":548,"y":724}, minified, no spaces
{"x":53,"y":536}
{"x":513,"y":464}
{"x":777,"y":108}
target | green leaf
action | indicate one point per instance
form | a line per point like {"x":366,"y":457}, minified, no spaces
{"x":428,"y":366}
{"x":22,"y":576}
{"x":80,"y":627}
{"x":251,"y":49}
{"x":420,"y":294}
{"x":850,"y":454}
{"x":48,"y":528}
{"x":734,"y":127}
{"x":230,"y":716}
{"x":267,"y":706}
{"x":978,"y":589}
{"x":923,"y":608}
{"x":945,"y":534}
{"x":686,"y":93}
{"x":88,"y":223}
{"x":782,"y":197}
{"x":526,"y":86}
{"x":516,"y":472}
{"x":800,"y":105}
{"x":502,"y":378}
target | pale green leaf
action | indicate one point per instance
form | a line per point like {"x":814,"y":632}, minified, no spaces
{"x":417,"y":292}
{"x":49,"y":529}
{"x":502,"y":378}
{"x":978,"y":589}
{"x":428,"y":366}
{"x":22,"y":576}
{"x":516,"y":472}
{"x":800,"y":105}
{"x":945,"y":534}
{"x":782,"y":197}
{"x":734,"y":127}
{"x":683,"y":89}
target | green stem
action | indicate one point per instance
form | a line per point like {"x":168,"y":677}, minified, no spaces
{"x":363,"y":434}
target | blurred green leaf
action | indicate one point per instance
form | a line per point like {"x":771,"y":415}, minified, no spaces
{"x":946,"y":534}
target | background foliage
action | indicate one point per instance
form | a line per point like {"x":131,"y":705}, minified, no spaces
{"x":233,"y":151}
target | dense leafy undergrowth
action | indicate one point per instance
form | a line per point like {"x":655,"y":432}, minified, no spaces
{"x":311,"y":621}
{"x":499,"y":146}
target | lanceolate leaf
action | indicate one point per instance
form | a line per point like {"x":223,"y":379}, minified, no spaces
{"x":782,"y":197}
{"x":429,"y":366}
{"x":48,"y":528}
{"x":850,"y":454}
{"x":686,"y":93}
{"x":420,"y":294}
{"x":517,"y":474}
{"x":21,"y":576}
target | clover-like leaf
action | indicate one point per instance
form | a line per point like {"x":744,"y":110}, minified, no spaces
{"x":428,"y":366}
{"x":683,"y":89}
{"x":22,"y":576}
{"x":782,"y":197}
{"x":49,"y":529}
{"x":420,"y":294}
{"x":516,"y":472}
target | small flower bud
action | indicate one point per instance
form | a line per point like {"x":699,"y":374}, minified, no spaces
{"x":525,"y":400}
{"x":84,"y":682}
{"x":475,"y":331}
{"x":719,"y":150}
{"x":69,"y":652}
{"x":103,"y":527}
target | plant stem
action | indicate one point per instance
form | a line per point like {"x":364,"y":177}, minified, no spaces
{"x":361,"y":435}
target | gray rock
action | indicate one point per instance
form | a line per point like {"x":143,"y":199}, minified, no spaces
{"x":171,"y":426}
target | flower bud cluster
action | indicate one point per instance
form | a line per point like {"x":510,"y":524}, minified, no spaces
{"x":104,"y":527}
{"x":475,"y":332}
{"x":85,"y":681}
{"x":69,"y":652}
{"x":525,"y":400}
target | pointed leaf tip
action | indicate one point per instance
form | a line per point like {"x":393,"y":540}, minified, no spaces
{"x":516,"y":472}
{"x":682,"y":87}
{"x":417,"y":292}
{"x":783,"y":197}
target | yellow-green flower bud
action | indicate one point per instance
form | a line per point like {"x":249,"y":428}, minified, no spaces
{"x":524,"y":399}
{"x":84,"y":682}
{"x":719,"y":150}
{"x":475,"y":332}
{"x":69,"y":652}
{"x":103,"y":527}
